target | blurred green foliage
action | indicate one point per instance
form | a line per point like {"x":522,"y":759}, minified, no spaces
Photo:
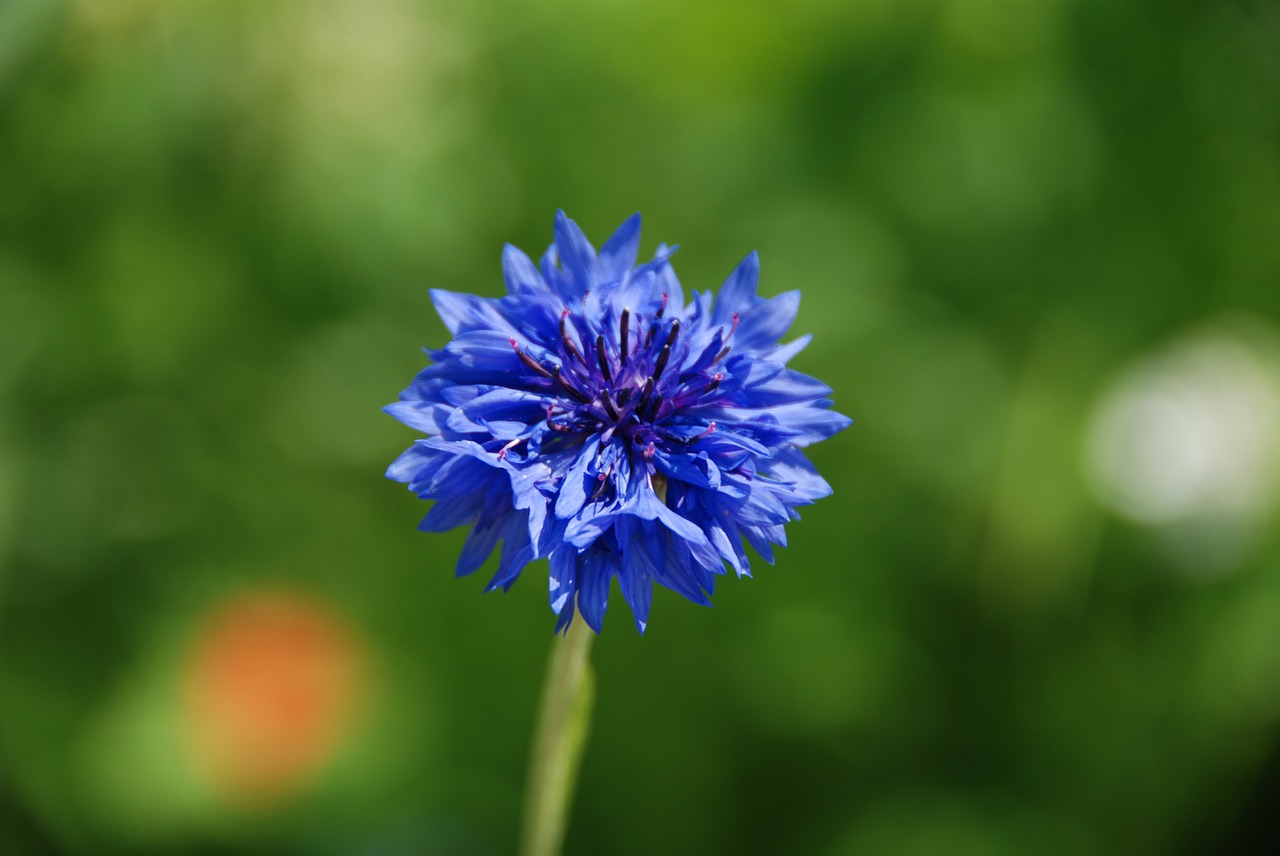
{"x":218,"y":225}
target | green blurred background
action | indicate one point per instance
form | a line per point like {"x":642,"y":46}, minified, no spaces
{"x":1038,"y":242}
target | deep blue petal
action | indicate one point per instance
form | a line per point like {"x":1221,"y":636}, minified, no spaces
{"x":446,"y":514}
{"x":516,"y":553}
{"x":637,"y":571}
{"x":479,"y":544}
{"x":677,"y":574}
{"x":759,"y":541}
{"x":596,"y":569}
{"x":564,"y":568}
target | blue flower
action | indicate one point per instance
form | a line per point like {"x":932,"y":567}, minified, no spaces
{"x":593,"y":417}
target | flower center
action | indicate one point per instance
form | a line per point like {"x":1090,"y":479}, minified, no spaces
{"x":627,"y":384}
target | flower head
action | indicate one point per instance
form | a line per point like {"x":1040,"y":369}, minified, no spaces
{"x":594,"y":417}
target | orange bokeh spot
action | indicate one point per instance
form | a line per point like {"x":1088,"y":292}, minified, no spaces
{"x":270,"y":689}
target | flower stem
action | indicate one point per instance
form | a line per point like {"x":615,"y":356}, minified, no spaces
{"x":564,"y":722}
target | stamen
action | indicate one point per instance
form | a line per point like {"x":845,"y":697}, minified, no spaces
{"x":711,"y":429}
{"x":732,"y":327}
{"x":502,"y":453}
{"x":648,"y":452}
{"x":603,"y":478}
{"x":550,"y":420}
{"x":715,"y":382}
{"x":564,"y":384}
{"x":624,"y":333}
{"x":663,"y":356}
{"x":600,"y":358}
{"x":663,"y":308}
{"x":675,"y":331}
{"x":570,"y":348}
{"x":529,"y":361}
{"x":608,"y":405}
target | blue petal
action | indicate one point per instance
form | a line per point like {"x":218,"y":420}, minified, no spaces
{"x":639,"y":294}
{"x":500,"y":404}
{"x":585,"y":529}
{"x":573,"y":490}
{"x":738,"y":294}
{"x":448,"y":476}
{"x":637,"y":567}
{"x":463,"y":313}
{"x":477,"y":356}
{"x":479,"y":544}
{"x":765,"y":324}
{"x":665,"y":281}
{"x":784,"y":353}
{"x":446,"y":514}
{"x":593,"y":586}
{"x":759,"y":542}
{"x":426,"y":416}
{"x":785,"y":387}
{"x":577,"y":256}
{"x":618,"y":254}
{"x":404,"y":467}
{"x":516,"y":553}
{"x":676,"y":573}
{"x":792,"y":467}
{"x":644,"y":503}
{"x":693,"y":468}
{"x":752,"y":372}
{"x":762,"y":508}
{"x":484,"y":535}
{"x":518,"y":271}
{"x":564,"y":565}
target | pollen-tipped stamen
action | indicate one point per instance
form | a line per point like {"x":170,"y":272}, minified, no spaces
{"x":603,"y":478}
{"x":663,"y":357}
{"x":727,"y":348}
{"x":559,"y":378}
{"x":530,"y":362}
{"x":569,"y":347}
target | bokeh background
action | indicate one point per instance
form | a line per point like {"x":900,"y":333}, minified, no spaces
{"x":1039,"y":246}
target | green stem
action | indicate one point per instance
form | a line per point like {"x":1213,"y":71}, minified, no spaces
{"x":564,"y":722}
